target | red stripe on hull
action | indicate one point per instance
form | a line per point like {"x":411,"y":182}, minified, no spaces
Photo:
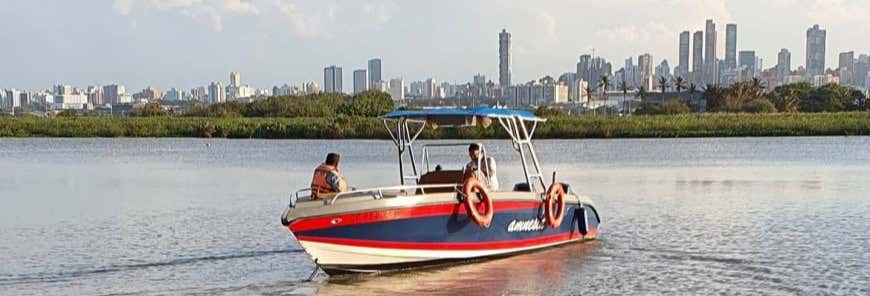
{"x":464,"y":246}
{"x":315,"y":223}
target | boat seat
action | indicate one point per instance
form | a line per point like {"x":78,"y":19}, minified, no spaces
{"x":524,"y":187}
{"x":440,"y":177}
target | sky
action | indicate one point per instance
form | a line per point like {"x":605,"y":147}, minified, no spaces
{"x":189,"y":43}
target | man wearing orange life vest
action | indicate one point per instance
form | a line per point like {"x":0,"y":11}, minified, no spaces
{"x":328,"y":180}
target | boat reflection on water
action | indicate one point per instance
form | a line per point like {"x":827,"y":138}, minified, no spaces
{"x":539,"y":273}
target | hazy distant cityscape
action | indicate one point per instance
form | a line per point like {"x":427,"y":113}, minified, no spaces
{"x":591,"y":85}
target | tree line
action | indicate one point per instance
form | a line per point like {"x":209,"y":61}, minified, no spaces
{"x":752,"y":97}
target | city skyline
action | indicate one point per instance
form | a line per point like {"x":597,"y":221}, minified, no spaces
{"x":532,"y":55}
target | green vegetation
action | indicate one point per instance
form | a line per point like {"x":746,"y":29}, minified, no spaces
{"x":341,"y":126}
{"x":365,"y":104}
{"x":740,"y":110}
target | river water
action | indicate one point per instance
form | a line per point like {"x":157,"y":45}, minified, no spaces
{"x":195,"y":216}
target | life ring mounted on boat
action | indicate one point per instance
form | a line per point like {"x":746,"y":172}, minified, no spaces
{"x":471,"y":186}
{"x":555,"y":201}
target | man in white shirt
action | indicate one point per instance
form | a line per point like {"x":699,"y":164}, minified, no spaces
{"x":487,"y":174}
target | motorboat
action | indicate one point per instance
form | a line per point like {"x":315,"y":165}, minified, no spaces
{"x":436,"y":216}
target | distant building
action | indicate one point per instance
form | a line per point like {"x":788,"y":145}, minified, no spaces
{"x":429,"y":89}
{"x":332,"y":79}
{"x":95,"y":95}
{"x":730,"y":46}
{"x":216,"y":93}
{"x":173,"y":94}
{"x":663,"y":70}
{"x":584,"y":66}
{"x":698,"y":57}
{"x":748,"y":65}
{"x":644,"y":68}
{"x":114,"y":94}
{"x":382,"y":86}
{"x":310,"y":87}
{"x":149,"y":93}
{"x":374,"y":73}
{"x":815,"y":51}
{"x":504,"y":58}
{"x":361,"y":81}
{"x":682,"y":69}
{"x":11,"y":99}
{"x":711,"y":65}
{"x":397,"y":89}
{"x":846,"y":67}
{"x":783,"y":65}
{"x":235,"y":79}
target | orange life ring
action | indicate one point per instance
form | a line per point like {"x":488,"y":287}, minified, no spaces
{"x":555,"y":198}
{"x":471,"y":186}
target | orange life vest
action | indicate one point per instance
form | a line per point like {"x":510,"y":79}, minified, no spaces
{"x":319,"y":183}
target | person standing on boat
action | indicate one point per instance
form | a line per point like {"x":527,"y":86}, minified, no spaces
{"x":328,"y":180}
{"x":487,"y":174}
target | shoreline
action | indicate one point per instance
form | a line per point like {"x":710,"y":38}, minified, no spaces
{"x":369,"y":128}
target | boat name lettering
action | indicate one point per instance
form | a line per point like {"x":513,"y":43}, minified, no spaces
{"x":526,"y":225}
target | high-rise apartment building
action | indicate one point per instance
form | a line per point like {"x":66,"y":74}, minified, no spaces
{"x":361,"y":81}
{"x":748,"y":65}
{"x":698,"y":57}
{"x":731,"y":46}
{"x":504,"y":59}
{"x":783,"y":65}
{"x":397,"y":89}
{"x":374,"y":72}
{"x":216,"y":93}
{"x":332,"y":79}
{"x":711,"y":64}
{"x":235,"y":79}
{"x":815,"y":51}
{"x":683,"y":68}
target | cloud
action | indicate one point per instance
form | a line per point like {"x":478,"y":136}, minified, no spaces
{"x":206,"y":12}
{"x":305,"y":23}
{"x":123,"y":7}
{"x":839,"y":10}
{"x":206,"y":15}
{"x":240,"y":7}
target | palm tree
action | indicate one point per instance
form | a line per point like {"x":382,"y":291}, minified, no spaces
{"x":680,"y":84}
{"x":663,"y":84}
{"x":589,"y":91}
{"x":757,"y":87}
{"x":604,"y":83}
{"x":624,"y":87}
{"x":641,"y":94}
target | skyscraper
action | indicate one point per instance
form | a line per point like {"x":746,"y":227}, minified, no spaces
{"x":747,"y":65}
{"x":332,"y":79}
{"x":815,"y":51}
{"x":731,"y":46}
{"x":583,"y":67}
{"x":645,"y":71}
{"x":683,"y":67}
{"x":216,"y":93}
{"x":710,"y":66}
{"x":847,"y":60}
{"x":504,"y":59}
{"x":112,"y":93}
{"x":235,"y":79}
{"x":374,"y":71}
{"x":698,"y":57}
{"x":360,"y":81}
{"x":783,"y":64}
{"x":397,"y":89}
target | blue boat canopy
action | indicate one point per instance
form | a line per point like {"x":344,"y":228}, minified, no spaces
{"x":461,"y":117}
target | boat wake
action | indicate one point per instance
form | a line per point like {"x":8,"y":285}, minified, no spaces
{"x":50,"y":277}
